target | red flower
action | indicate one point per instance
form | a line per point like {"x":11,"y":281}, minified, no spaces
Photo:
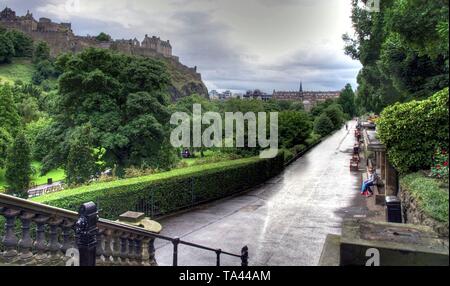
{"x":438,"y":167}
{"x":445,"y":164}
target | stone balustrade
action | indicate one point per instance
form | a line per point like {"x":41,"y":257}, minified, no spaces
{"x":36,"y":234}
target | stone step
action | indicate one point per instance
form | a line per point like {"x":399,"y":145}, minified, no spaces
{"x":331,"y":251}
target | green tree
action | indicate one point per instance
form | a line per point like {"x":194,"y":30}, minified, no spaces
{"x":22,"y":43}
{"x":336,"y":115}
{"x":9,"y":117}
{"x":347,"y":100}
{"x":323,"y":125}
{"x":80,"y":166}
{"x":123,"y":98}
{"x":18,"y":167}
{"x":6,"y":49}
{"x":403,"y":50}
{"x":32,"y":131}
{"x":41,"y":52}
{"x":103,"y":37}
{"x":293,"y":128}
{"x":44,"y":70}
{"x":5,"y":141}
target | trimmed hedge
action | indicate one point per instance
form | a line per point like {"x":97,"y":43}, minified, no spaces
{"x":412,"y":131}
{"x":170,"y":191}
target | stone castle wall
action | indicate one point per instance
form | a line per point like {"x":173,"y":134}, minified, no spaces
{"x":61,"y":39}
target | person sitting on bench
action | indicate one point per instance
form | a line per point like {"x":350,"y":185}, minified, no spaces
{"x":367,"y":184}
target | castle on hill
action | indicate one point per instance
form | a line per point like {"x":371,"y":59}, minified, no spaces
{"x":308,"y":98}
{"x":61,"y":38}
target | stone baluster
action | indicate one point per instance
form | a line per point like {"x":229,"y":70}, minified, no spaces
{"x":10,"y":239}
{"x":54,"y":246}
{"x":145,"y":260}
{"x":40,"y":244}
{"x":100,"y":249}
{"x":124,"y":249}
{"x":108,"y":253}
{"x":116,"y":249}
{"x":67,"y":235}
{"x":138,"y":250}
{"x":26,"y":242}
{"x":131,"y":251}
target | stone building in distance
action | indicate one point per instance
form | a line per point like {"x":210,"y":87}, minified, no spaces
{"x":308,"y":98}
{"x":61,"y":38}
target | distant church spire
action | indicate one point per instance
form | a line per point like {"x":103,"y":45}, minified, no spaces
{"x":301,"y":86}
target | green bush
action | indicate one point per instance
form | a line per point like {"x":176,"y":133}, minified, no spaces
{"x":430,"y":196}
{"x":323,"y":125}
{"x":412,"y":131}
{"x":294,"y":128}
{"x":170,"y":191}
{"x":336,"y":115}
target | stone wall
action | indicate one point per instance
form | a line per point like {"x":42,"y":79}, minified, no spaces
{"x":412,"y":214}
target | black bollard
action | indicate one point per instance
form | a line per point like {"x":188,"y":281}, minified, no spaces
{"x":86,"y":233}
{"x":244,"y":256}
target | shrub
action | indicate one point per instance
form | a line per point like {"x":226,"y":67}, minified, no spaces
{"x":323,"y":125}
{"x":169,"y":191}
{"x":412,"y":131}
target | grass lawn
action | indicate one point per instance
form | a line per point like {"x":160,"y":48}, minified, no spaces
{"x":207,"y":154}
{"x":20,"y":69}
{"x":56,"y":175}
{"x":430,"y":194}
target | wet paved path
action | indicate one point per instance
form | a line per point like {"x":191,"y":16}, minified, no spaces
{"x":283,"y":222}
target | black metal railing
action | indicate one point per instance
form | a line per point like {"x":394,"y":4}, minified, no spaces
{"x":176,"y":241}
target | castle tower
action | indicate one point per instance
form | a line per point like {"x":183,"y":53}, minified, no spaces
{"x":8,"y":14}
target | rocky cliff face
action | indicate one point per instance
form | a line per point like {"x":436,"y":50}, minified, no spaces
{"x":185,"y":81}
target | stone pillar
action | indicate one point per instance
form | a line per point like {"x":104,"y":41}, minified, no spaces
{"x":383,"y":165}
{"x":391,"y":180}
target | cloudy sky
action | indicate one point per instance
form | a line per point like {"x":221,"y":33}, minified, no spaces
{"x":236,"y":44}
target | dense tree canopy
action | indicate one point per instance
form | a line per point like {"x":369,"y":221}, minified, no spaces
{"x":294,"y":128}
{"x":403,"y":50}
{"x":6,"y":49}
{"x":41,"y":52}
{"x":123,"y":98}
